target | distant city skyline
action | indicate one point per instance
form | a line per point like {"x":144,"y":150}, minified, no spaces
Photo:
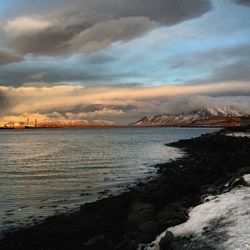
{"x":114,"y":61}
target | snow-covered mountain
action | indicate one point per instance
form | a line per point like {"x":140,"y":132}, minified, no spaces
{"x":223,"y":116}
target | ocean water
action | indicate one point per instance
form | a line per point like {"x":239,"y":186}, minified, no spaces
{"x":50,"y":171}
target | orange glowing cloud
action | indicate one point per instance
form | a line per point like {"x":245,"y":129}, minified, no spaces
{"x":108,"y":103}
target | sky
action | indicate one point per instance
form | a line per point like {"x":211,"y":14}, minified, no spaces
{"x":114,"y":61}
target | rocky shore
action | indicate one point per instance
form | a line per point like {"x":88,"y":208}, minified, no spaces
{"x":137,"y":216}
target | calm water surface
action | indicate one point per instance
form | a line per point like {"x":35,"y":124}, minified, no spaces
{"x":48,"y":171}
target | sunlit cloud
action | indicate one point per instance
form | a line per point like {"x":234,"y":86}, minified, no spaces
{"x":26,"y":25}
{"x":120,"y":103}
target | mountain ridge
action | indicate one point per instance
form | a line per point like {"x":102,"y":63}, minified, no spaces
{"x":223,"y":116}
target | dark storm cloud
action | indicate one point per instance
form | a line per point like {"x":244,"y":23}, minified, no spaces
{"x":86,"y":70}
{"x":9,"y":57}
{"x":4,"y":102}
{"x":2,"y":99}
{"x":237,"y":71}
{"x":99,"y":59}
{"x":95,"y":24}
{"x":232,"y":64}
{"x":243,"y":2}
{"x":20,"y":74}
{"x":221,"y":55}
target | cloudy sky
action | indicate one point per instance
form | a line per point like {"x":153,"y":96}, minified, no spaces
{"x":118,"y":60}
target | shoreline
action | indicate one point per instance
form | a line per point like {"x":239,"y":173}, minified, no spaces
{"x":121,"y":126}
{"x":141,"y":213}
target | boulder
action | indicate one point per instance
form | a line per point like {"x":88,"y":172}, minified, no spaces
{"x":245,"y":170}
{"x":140,"y":213}
{"x":169,"y":216}
{"x":136,"y":218}
{"x":236,"y":181}
{"x":166,"y":241}
{"x":209,"y":189}
{"x":148,"y":227}
{"x":98,"y":242}
{"x":138,"y":206}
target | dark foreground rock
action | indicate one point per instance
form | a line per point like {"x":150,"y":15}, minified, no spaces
{"x":166,"y":242}
{"x":214,"y":164}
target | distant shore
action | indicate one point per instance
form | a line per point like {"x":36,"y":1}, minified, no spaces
{"x":49,"y":127}
{"x":140,"y":214}
{"x":117,"y":126}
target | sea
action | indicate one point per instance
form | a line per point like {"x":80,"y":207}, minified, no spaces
{"x":51,"y":171}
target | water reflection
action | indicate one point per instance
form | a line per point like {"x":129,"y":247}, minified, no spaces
{"x":43,"y":172}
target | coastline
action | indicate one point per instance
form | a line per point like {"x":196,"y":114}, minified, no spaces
{"x":140,"y":214}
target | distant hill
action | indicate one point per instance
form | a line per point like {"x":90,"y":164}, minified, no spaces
{"x":209,"y":117}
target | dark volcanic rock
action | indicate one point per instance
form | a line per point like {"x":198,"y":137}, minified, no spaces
{"x":244,"y":170}
{"x":209,"y":189}
{"x":138,"y":206}
{"x":148,"y":227}
{"x":98,"y":243}
{"x":236,"y":181}
{"x":168,"y":217}
{"x":147,"y":230}
{"x":166,"y":241}
{"x":140,"y":213}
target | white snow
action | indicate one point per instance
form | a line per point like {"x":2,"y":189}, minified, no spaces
{"x":224,"y":111}
{"x":239,"y":134}
{"x":223,"y":222}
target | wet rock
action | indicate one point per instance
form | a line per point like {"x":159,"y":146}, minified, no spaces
{"x":98,"y":242}
{"x":140,"y":213}
{"x":176,"y":205}
{"x":245,"y":170}
{"x":147,"y":238}
{"x":168,"y":217}
{"x":166,"y":241}
{"x":148,"y":227}
{"x":121,"y":245}
{"x":236,"y":181}
{"x":209,"y":189}
{"x":137,"y":206}
{"x":147,"y":231}
{"x":136,"y":218}
{"x":219,"y":182}
{"x":133,"y":244}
